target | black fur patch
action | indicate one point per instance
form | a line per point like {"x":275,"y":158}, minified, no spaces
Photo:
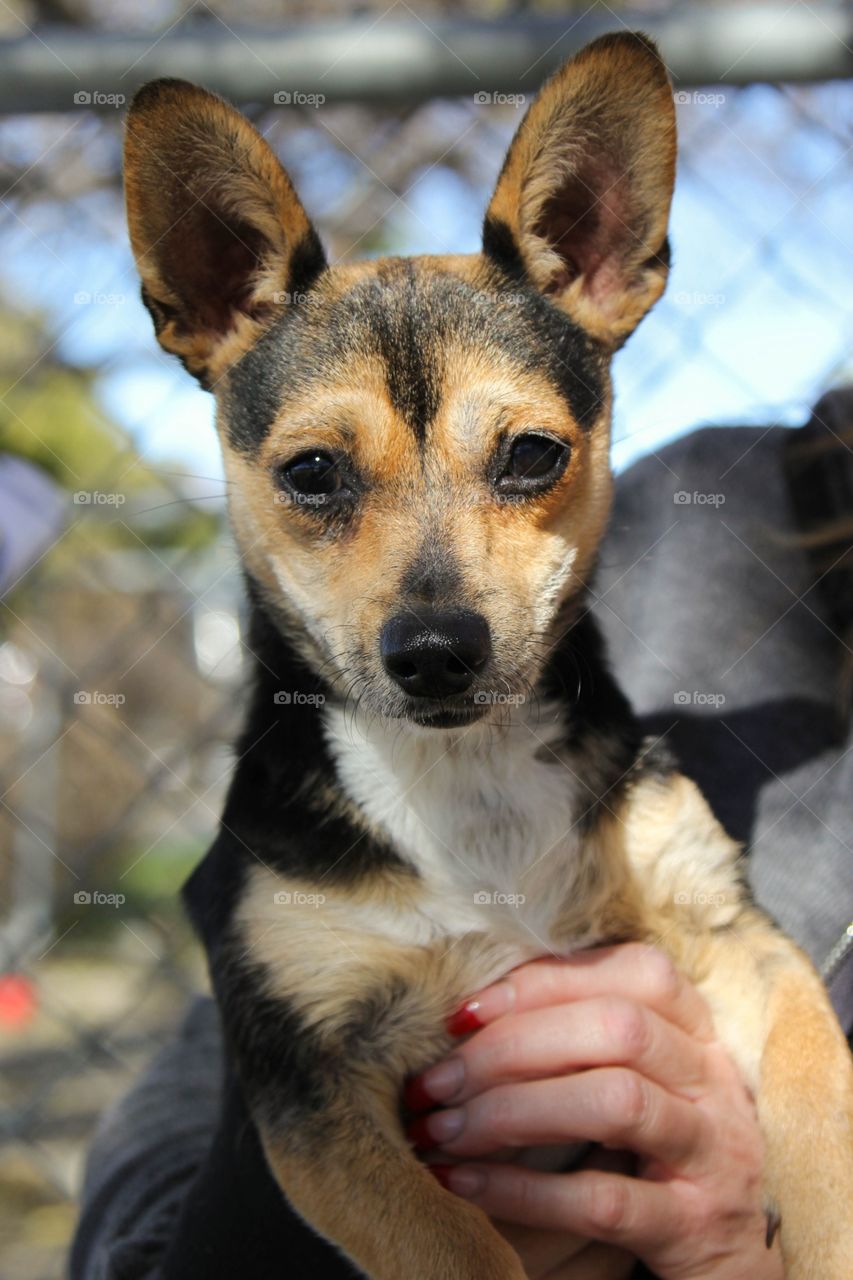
{"x":500,"y":247}
{"x":307,"y":261}
{"x":410,"y":316}
{"x":600,"y":724}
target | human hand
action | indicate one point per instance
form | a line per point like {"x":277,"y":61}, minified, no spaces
{"x":614,"y":1047}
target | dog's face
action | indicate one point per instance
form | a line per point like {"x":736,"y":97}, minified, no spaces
{"x":416,"y":449}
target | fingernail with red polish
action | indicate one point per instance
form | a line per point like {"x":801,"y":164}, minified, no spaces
{"x":482,"y":1009}
{"x":440,"y":1083}
{"x":415,"y":1096}
{"x":419,"y":1135}
{"x":465,"y":1019}
{"x":433,"y":1130}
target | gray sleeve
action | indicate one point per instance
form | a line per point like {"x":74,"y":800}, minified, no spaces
{"x":707,"y":598}
{"x":146,"y":1152}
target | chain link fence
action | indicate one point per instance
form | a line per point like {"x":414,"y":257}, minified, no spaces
{"x":120,"y":664}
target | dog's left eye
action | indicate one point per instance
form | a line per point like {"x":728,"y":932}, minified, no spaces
{"x":534,"y":460}
{"x":314,"y":473}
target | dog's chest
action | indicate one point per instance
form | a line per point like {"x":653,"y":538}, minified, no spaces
{"x":488,"y":817}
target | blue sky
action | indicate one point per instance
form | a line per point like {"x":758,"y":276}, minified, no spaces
{"x":755,"y":324}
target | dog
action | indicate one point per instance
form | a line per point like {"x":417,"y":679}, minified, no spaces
{"x":439,"y":778}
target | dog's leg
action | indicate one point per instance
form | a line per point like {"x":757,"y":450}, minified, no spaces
{"x":802,"y":1075}
{"x":353,"y":1177}
{"x":770,"y":1010}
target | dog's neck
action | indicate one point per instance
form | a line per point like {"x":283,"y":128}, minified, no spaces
{"x":474,"y":805}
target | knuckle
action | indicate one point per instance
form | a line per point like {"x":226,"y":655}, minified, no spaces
{"x":609,"y":1206}
{"x":626,"y":1100}
{"x":661,"y":979}
{"x":627,"y":1029}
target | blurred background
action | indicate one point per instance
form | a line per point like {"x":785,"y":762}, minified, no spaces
{"x":120,"y":660}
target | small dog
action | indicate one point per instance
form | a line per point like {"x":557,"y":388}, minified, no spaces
{"x":439,"y":779}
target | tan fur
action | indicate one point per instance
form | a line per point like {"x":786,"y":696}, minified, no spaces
{"x":670,"y":875}
{"x":423,"y":1232}
{"x":342,"y":589}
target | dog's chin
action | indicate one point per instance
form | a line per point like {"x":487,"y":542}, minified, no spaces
{"x":429,"y":713}
{"x":443,"y":717}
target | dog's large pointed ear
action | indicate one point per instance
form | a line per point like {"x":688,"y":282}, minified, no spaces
{"x":218,"y":233}
{"x":583,"y":198}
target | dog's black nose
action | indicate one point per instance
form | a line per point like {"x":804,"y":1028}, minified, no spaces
{"x":434,"y":655}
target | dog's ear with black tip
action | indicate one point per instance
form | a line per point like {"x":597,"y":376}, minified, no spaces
{"x":582,"y":202}
{"x":219,"y":235}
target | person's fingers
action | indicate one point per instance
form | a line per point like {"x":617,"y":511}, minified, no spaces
{"x":598,"y":1032}
{"x":633,"y":970}
{"x":611,"y":1105}
{"x":626,"y":1212}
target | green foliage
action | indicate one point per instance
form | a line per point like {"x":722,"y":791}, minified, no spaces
{"x":49,"y":415}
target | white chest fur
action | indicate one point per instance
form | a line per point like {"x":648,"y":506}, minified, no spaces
{"x":486,"y":815}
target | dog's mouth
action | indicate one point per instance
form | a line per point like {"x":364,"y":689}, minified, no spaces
{"x":443,"y":716}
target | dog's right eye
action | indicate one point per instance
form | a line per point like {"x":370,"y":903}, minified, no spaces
{"x":313,"y":473}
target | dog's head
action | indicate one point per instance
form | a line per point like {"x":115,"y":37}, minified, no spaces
{"x":417,"y":449}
